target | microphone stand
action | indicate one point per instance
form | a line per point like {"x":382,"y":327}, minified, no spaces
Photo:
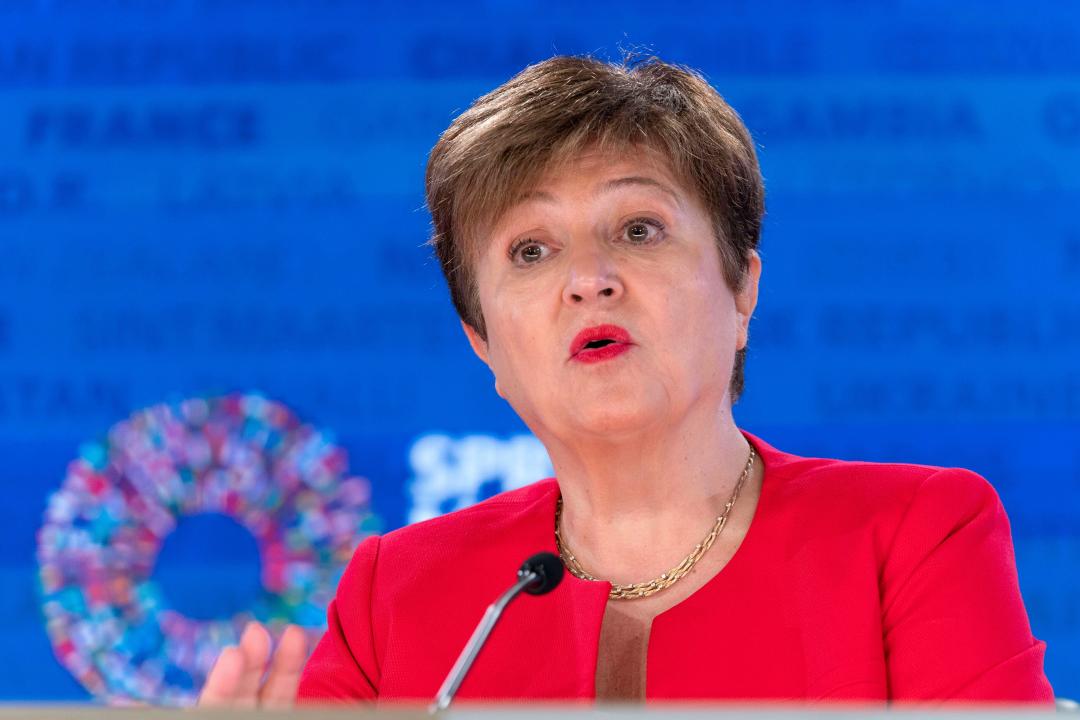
{"x":479,"y":637}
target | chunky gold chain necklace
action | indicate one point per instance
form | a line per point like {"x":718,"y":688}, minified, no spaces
{"x":666,"y":580}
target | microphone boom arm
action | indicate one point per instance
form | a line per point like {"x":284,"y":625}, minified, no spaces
{"x":476,"y":641}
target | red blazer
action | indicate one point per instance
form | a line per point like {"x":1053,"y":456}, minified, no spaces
{"x":855,"y":581}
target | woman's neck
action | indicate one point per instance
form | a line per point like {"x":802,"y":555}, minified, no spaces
{"x":632,"y":509}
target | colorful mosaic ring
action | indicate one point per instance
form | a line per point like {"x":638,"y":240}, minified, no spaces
{"x":243,"y":456}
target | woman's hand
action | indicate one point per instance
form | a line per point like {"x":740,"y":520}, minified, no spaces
{"x":236,"y":678}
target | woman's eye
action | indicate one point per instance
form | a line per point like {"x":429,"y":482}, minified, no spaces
{"x":527,"y":252}
{"x":640,"y":232}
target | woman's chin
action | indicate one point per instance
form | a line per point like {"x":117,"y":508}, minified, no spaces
{"x":615,"y":420}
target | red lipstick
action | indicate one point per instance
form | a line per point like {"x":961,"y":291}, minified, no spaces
{"x":600,"y":342}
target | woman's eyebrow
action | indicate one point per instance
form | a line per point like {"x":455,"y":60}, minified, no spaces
{"x":609,"y":186}
{"x":532,"y":195}
{"x":639,"y":180}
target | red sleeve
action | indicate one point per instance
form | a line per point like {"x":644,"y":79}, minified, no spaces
{"x":954,"y":622}
{"x":343,"y":667}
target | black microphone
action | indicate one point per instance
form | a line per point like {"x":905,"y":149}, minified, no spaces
{"x":547,"y":569}
{"x":538,"y":575}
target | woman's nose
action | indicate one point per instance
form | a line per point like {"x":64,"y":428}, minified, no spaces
{"x":593,"y":278}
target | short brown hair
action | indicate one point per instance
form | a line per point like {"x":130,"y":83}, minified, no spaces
{"x":500,"y":147}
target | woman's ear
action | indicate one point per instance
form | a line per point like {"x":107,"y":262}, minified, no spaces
{"x":479,"y":345}
{"x":746,"y":298}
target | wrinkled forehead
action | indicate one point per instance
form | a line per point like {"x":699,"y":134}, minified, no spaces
{"x":630,"y":164}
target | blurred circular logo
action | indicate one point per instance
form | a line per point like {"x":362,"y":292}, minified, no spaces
{"x":241,"y":456}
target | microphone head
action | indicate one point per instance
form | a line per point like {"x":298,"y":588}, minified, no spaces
{"x":549,"y":571}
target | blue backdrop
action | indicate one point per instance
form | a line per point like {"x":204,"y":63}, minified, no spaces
{"x":202,"y":197}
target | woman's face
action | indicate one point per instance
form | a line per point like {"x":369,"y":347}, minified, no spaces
{"x":609,"y":240}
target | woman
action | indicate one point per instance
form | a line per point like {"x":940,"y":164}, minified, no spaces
{"x":598,"y":227}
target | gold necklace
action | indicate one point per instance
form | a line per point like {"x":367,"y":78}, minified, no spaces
{"x":633,"y":591}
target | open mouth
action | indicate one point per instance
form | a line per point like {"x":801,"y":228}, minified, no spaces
{"x":600,"y":342}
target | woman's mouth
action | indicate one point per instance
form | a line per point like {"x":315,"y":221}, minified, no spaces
{"x":600,"y":342}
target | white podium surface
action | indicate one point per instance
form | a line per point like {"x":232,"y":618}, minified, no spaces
{"x":544,"y":712}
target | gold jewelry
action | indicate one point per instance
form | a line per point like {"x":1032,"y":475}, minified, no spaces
{"x":666,"y":580}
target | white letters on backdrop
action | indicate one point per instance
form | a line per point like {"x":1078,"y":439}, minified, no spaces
{"x":449,"y":473}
